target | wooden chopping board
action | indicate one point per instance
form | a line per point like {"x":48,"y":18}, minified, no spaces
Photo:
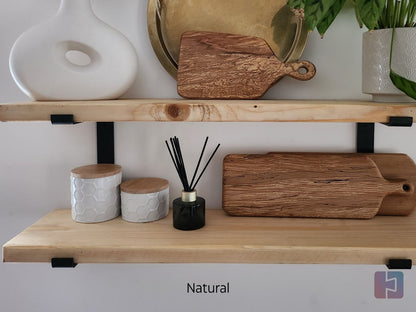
{"x":227,"y":66}
{"x":319,"y":185}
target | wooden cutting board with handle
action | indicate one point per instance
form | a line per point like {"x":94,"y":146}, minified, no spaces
{"x":227,"y":66}
{"x":319,"y":185}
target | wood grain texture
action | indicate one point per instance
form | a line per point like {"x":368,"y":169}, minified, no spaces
{"x":396,"y":167}
{"x":224,"y":239}
{"x":308,"y":185}
{"x":226,"y":66}
{"x":209,"y":110}
{"x":95,"y":171}
{"x":144,"y":185}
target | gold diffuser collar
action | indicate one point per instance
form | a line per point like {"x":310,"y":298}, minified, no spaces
{"x":188,"y":197}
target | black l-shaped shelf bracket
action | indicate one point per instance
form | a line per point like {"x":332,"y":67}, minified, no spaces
{"x":365,"y":137}
{"x":105,"y":142}
{"x":62,"y":119}
{"x":105,"y":136}
{"x":399,"y":264}
{"x":365,"y":132}
{"x":63,"y":263}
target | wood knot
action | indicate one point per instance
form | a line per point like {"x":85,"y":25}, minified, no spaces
{"x":177,"y":112}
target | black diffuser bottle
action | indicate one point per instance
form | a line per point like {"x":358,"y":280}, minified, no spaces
{"x":188,"y":212}
{"x":189,"y":209}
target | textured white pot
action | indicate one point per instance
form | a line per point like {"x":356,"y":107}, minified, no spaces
{"x":376,"y":55}
{"x":95,"y":193}
{"x":144,"y":199}
{"x":73,"y":56}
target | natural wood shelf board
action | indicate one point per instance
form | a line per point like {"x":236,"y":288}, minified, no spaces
{"x":209,"y":110}
{"x":224,"y":239}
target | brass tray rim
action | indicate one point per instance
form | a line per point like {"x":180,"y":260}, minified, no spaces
{"x":156,"y":40}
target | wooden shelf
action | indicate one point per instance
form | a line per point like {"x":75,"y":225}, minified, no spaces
{"x":224,"y":239}
{"x":204,"y":110}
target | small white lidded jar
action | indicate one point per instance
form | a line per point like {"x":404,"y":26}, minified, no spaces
{"x":95,"y":193}
{"x":144,"y":199}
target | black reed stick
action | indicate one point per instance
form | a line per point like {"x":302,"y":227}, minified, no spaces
{"x":209,"y":160}
{"x":179,"y":161}
{"x":199,"y":161}
{"x":175,"y":153}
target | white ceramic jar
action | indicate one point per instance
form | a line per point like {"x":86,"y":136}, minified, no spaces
{"x":144,"y":199}
{"x":376,"y":56}
{"x":95,"y":193}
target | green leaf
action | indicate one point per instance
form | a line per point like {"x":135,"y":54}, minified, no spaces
{"x":403,"y":84}
{"x":358,"y":17}
{"x":315,"y":11}
{"x":330,"y":16}
{"x":390,"y":13}
{"x":370,"y":11}
{"x":297,"y":4}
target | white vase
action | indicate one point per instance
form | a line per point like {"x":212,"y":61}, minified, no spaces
{"x":73,"y":56}
{"x":376,"y":56}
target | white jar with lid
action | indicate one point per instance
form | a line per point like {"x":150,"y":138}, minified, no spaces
{"x":95,"y":193}
{"x":144,"y":199}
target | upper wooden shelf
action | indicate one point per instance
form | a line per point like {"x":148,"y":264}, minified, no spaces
{"x":224,"y":239}
{"x":209,"y":110}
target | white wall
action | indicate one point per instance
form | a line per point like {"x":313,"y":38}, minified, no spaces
{"x":36,"y":157}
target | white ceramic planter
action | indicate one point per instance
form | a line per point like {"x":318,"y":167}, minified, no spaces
{"x":376,"y":54}
{"x":144,"y":200}
{"x":95,"y":193}
{"x":73,"y":56}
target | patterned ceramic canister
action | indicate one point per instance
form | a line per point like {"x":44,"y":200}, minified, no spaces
{"x":95,"y":193}
{"x":144,"y":199}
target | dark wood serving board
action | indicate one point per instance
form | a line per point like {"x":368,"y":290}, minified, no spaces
{"x":227,"y":66}
{"x":319,"y":185}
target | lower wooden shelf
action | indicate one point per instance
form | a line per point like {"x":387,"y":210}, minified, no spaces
{"x":224,"y":239}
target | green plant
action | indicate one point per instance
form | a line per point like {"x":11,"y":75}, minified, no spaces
{"x":374,"y":14}
{"x":397,"y":14}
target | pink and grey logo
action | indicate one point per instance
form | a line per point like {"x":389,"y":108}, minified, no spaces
{"x":388,"y":285}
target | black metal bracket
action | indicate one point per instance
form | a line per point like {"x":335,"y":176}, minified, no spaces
{"x":63,"y":263}
{"x":365,"y":132}
{"x":399,"y":264}
{"x":365,"y":137}
{"x":399,"y":121}
{"x":105,"y":136}
{"x":62,"y":119}
{"x":105,"y":142}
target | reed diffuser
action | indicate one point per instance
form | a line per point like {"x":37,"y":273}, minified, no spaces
{"x":189,"y":209}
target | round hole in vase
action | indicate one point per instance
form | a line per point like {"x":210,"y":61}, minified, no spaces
{"x":78,"y":58}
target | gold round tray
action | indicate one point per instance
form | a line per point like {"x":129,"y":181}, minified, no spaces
{"x":271,"y":20}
